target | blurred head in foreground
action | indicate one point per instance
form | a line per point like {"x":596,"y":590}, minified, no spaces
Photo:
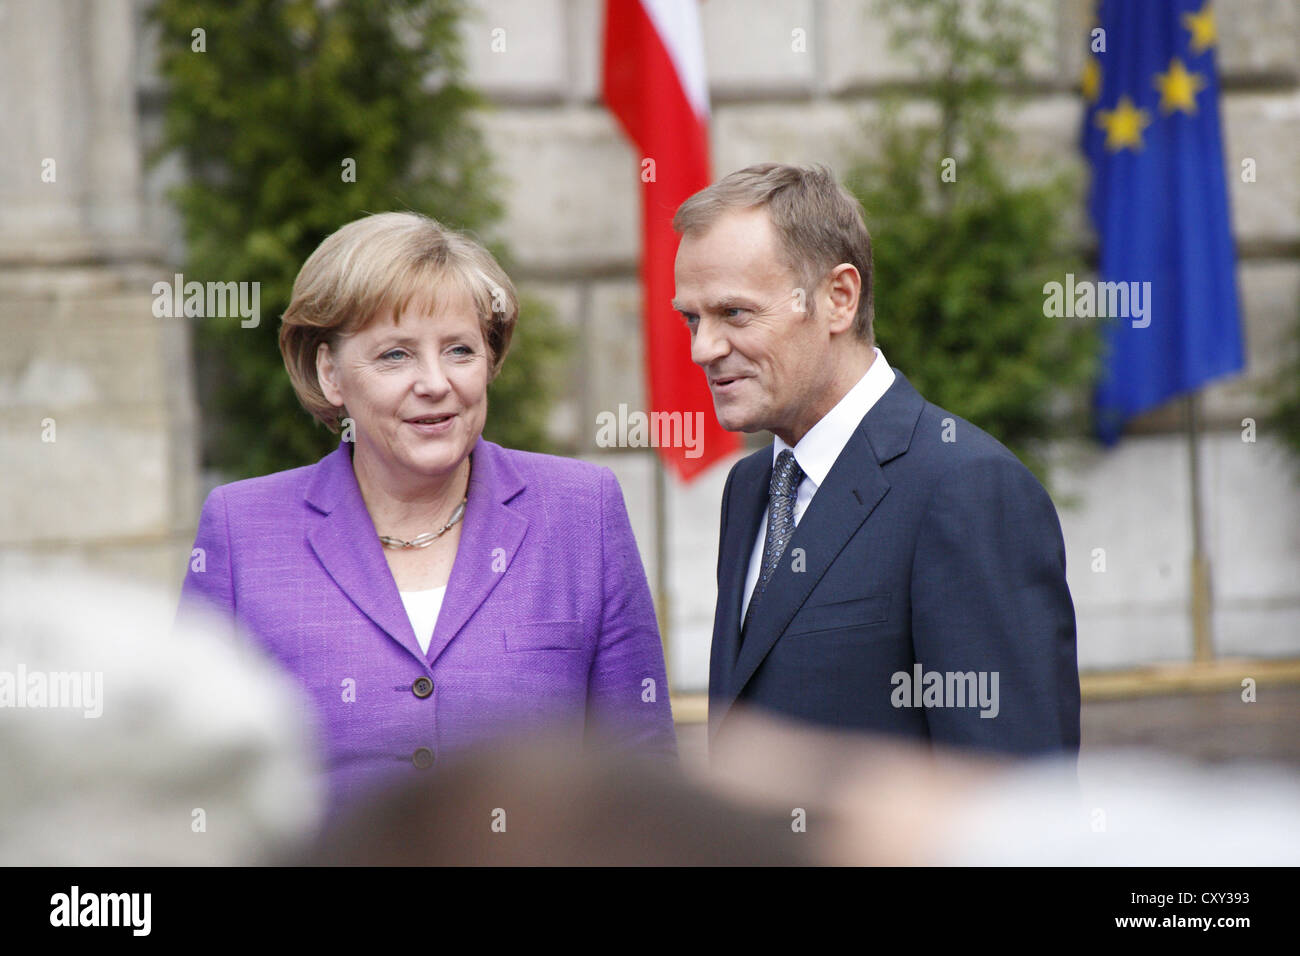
{"x":538,"y":803}
{"x":892,"y":802}
{"x":782,"y":793}
{"x":128,"y":744}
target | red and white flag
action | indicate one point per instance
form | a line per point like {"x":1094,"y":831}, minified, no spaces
{"x":655,"y":86}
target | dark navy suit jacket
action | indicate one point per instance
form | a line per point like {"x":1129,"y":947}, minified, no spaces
{"x":916,"y":550}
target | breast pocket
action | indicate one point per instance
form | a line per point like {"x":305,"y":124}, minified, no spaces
{"x":840,"y":614}
{"x":544,"y":636}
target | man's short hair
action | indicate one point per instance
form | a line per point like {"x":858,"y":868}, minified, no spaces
{"x":818,"y":223}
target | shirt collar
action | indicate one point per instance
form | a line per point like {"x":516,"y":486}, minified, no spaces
{"x":816,"y":452}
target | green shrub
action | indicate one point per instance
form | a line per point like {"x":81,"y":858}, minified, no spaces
{"x":960,"y":265}
{"x":264,"y":118}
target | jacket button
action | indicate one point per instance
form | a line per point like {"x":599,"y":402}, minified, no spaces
{"x":422,"y":758}
{"x":422,"y":687}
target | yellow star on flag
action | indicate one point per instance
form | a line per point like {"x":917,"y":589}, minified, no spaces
{"x":1202,"y":26}
{"x":1091,"y":81}
{"x":1123,"y":125}
{"x":1178,"y":88}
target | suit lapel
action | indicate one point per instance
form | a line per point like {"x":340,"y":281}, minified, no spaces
{"x":745,"y":504}
{"x":853,"y":488}
{"x":488,"y":542}
{"x":344,"y":538}
{"x":841,"y":504}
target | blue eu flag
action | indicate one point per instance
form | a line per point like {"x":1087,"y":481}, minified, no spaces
{"x":1159,"y":203}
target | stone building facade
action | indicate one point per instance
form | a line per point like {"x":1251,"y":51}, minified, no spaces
{"x":121,"y":485}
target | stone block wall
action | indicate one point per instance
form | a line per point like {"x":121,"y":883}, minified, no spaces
{"x":572,"y":220}
{"x":97,"y":415}
{"x":790,"y":80}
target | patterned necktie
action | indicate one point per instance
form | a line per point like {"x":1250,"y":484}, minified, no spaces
{"x":786,"y":476}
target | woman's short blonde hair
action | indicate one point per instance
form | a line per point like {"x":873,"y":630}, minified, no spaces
{"x":377,"y":267}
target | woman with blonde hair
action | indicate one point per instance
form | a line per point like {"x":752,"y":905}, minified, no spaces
{"x":431,"y":589}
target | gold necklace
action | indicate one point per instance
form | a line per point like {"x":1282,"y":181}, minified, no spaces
{"x":426,"y":539}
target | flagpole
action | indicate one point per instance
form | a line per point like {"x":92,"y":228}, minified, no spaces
{"x":661,"y":562}
{"x":1202,"y":633}
{"x":1206,"y":672}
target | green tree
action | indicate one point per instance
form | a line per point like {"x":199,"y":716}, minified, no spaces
{"x":1283,"y":390}
{"x":292,"y":118}
{"x":964,"y":238}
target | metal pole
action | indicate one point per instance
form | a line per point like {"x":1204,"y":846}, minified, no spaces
{"x":1202,"y":634}
{"x":661,"y":561}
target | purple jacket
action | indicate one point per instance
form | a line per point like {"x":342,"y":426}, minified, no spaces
{"x":547,"y":621}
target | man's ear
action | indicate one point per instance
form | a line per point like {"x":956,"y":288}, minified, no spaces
{"x":843,"y":289}
{"x":325,"y":374}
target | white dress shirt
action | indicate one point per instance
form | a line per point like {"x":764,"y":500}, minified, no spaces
{"x":423,"y":608}
{"x":816,"y":453}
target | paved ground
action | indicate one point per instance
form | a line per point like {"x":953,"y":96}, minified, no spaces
{"x":1215,"y":726}
{"x":1211,"y":726}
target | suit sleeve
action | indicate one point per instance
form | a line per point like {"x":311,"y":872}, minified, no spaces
{"x":209,"y":581}
{"x":989,"y":595}
{"x":628,"y":706}
{"x":722,"y":521}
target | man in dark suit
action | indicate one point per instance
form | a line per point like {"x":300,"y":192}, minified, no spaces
{"x":885,"y":565}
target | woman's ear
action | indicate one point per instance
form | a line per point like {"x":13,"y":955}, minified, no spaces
{"x":326,"y":375}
